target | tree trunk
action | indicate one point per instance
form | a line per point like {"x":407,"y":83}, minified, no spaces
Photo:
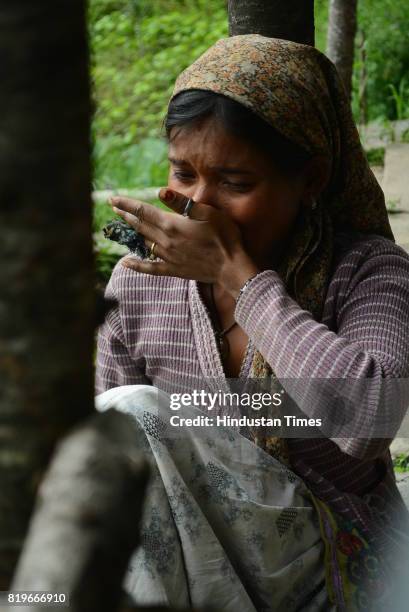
{"x":86,"y":523}
{"x":287,"y":19}
{"x":46,"y":260}
{"x":341,"y":38}
{"x":363,"y":81}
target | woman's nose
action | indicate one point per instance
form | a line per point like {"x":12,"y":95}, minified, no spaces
{"x":206,"y":194}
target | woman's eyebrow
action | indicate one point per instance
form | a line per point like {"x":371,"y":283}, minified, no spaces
{"x":177,"y":161}
{"x":231,"y":170}
{"x":223,"y":169}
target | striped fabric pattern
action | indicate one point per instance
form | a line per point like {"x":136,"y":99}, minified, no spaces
{"x":161,"y":334}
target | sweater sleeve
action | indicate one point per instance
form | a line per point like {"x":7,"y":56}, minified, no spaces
{"x":114,"y":365}
{"x":371,"y":342}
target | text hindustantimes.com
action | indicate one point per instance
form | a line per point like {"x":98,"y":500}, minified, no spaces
{"x":256,"y":401}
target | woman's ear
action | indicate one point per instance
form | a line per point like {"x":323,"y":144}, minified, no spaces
{"x":316,"y":174}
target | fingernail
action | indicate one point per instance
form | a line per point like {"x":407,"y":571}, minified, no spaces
{"x":168,"y":195}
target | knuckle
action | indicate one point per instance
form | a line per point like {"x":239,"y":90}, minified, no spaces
{"x":168,"y":244}
{"x":168,"y":226}
{"x":139,"y":213}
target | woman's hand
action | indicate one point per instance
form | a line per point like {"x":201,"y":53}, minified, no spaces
{"x":206,"y":246}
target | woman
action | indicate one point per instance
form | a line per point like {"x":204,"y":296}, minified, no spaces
{"x":284,"y":270}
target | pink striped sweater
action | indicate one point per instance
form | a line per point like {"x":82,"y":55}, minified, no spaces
{"x":161,"y":334}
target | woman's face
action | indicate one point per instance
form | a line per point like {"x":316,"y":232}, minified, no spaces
{"x":216,"y":168}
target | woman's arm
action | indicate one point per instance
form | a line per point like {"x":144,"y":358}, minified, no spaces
{"x":372,"y":339}
{"x":114,"y":365}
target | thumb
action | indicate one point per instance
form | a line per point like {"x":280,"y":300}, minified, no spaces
{"x":173,"y":199}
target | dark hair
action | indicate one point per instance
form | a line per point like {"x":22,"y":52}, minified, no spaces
{"x":192,"y":105}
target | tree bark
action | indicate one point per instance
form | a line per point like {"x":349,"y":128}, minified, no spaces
{"x":342,"y":27}
{"x":46,"y":261}
{"x":287,"y":19}
{"x":87,"y":516}
{"x":363,"y":80}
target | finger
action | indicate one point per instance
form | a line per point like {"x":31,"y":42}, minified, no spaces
{"x":177,"y":202}
{"x":173,"y":199}
{"x":158,"y":251}
{"x":147,"y":230}
{"x":155,"y":268}
{"x":142,"y":211}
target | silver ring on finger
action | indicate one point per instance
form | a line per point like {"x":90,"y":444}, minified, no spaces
{"x":188,"y":207}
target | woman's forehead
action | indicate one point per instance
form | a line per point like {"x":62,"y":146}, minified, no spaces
{"x":209,"y":142}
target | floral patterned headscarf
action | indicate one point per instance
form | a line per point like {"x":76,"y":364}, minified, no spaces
{"x":297,"y":90}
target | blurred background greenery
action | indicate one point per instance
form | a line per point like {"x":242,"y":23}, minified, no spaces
{"x":138,"y":48}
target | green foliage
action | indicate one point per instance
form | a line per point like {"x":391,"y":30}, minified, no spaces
{"x":102,"y":215}
{"x":107,"y":253}
{"x":106,"y":256}
{"x":141,"y":164}
{"x":385,"y":24}
{"x":138,"y":51}
{"x":401,"y":463}
{"x":321,"y":20}
{"x":400,"y":96}
{"x":376,"y":156}
{"x":140,"y":47}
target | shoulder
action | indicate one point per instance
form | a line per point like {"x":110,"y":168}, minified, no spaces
{"x":357,"y":252}
{"x":369,"y":264}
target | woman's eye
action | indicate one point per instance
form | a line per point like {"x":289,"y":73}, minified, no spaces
{"x":183,"y":176}
{"x":238,"y":186}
